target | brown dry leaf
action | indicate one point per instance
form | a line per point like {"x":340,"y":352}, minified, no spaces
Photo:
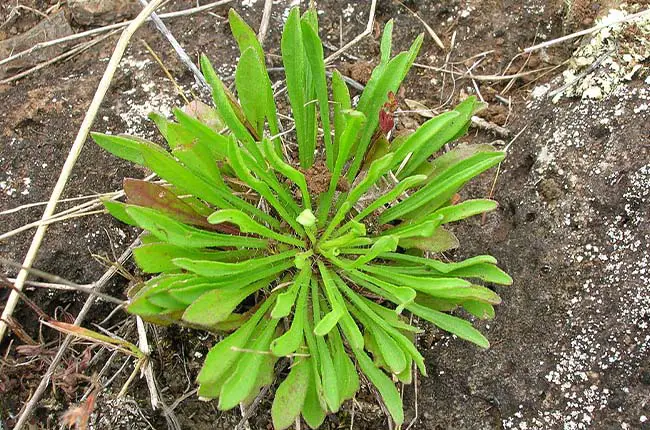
{"x":420,"y":108}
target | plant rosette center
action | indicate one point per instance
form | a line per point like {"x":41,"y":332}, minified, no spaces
{"x":310,"y":264}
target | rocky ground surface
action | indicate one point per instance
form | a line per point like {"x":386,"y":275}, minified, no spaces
{"x":570,"y":341}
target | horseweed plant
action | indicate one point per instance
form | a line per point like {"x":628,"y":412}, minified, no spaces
{"x":314,"y":259}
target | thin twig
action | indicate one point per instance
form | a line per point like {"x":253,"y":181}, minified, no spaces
{"x":266,"y":19}
{"x":461,"y":75}
{"x":432,"y":33}
{"x":548,"y":43}
{"x":143,"y":344}
{"x":119,"y":25}
{"x":198,"y":77}
{"x":68,"y":54}
{"x":364,"y":33}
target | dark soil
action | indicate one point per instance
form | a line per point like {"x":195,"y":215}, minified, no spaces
{"x":570,"y":341}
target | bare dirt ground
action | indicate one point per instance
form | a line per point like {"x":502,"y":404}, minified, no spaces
{"x":570,"y":343}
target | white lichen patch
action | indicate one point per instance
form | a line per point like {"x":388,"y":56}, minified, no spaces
{"x":605,"y":335}
{"x":145,"y":97}
{"x":613,"y":55}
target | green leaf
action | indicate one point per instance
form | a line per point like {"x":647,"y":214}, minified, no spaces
{"x":157,"y":257}
{"x":386,"y":43}
{"x":253,"y":98}
{"x":177,"y":233}
{"x":384,"y":385}
{"x":441,"y":240}
{"x":293,"y":59}
{"x":236,"y":160}
{"x":228,"y":109}
{"x":154,"y":196}
{"x":244,"y":34}
{"x":431,"y":136}
{"x":312,"y":411}
{"x":450,"y":158}
{"x":452,"y":324}
{"x":247,"y":225}
{"x":354,"y":121}
{"x":330,"y":385}
{"x":382,"y":245}
{"x":484,"y":311}
{"x":443,"y":187}
{"x":285,"y":300}
{"x":314,"y":51}
{"x":242,"y":381}
{"x":290,"y":395}
{"x":348,"y":326}
{"x":346,"y":373}
{"x":221,"y":269}
{"x":465,"y":209}
{"x":484,"y":271}
{"x":452,"y":131}
{"x":390,"y":351}
{"x":216,"y":305}
{"x":224,"y":354}
{"x":203,"y":135}
{"x":375,"y":95}
{"x":342,"y":102}
{"x":289,"y":342}
{"x":288,"y":171}
{"x":126,"y":147}
{"x":404,"y":343}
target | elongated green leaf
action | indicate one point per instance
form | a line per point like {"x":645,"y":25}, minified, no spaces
{"x":330,"y":383}
{"x":148,"y":194}
{"x":431,"y":135}
{"x":341,"y":101}
{"x":126,"y":147}
{"x":206,"y":136}
{"x":244,"y":34}
{"x":312,"y":410}
{"x":253,"y":98}
{"x":452,"y":324}
{"x":375,"y":95}
{"x":348,"y":326}
{"x":485,"y":272}
{"x":314,"y":51}
{"x":484,"y":311}
{"x":228,"y":110}
{"x":177,"y":233}
{"x":223,"y":355}
{"x":389,"y":350}
{"x":403,"y":342}
{"x":354,"y":121}
{"x":439,"y":266}
{"x":346,"y":373}
{"x":243,"y":172}
{"x":293,"y":58}
{"x":439,"y":190}
{"x":157,"y":257}
{"x":441,"y":240}
{"x":384,"y":385}
{"x":242,"y":381}
{"x":443,"y":162}
{"x":287,"y":170}
{"x":289,"y":342}
{"x":221,"y":269}
{"x":290,"y":396}
{"x":465,"y":209}
{"x":216,"y":305}
{"x":286,"y":300}
{"x":247,"y":225}
{"x":384,"y":244}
